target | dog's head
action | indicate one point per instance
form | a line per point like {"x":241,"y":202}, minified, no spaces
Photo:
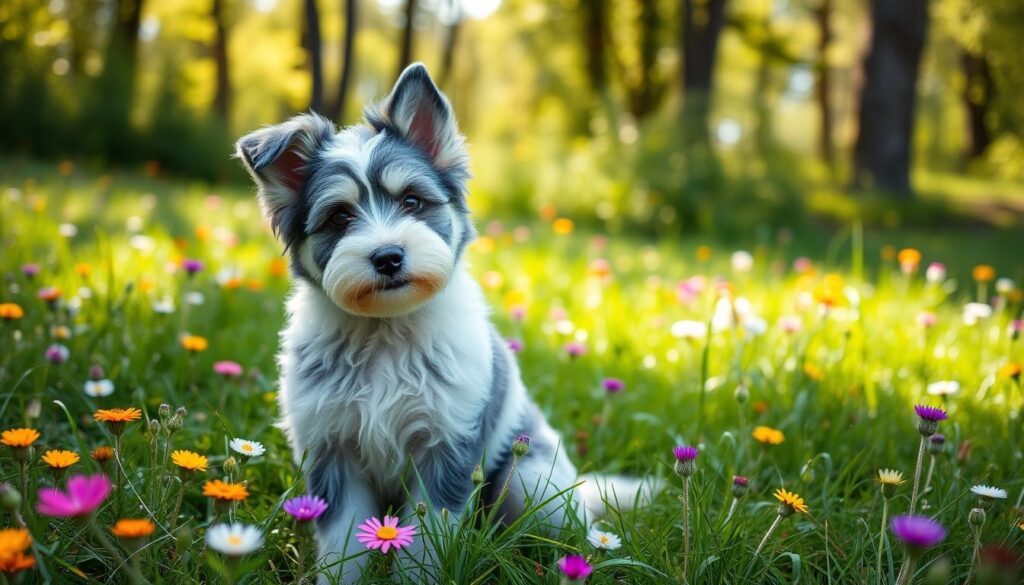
{"x":375,"y":215}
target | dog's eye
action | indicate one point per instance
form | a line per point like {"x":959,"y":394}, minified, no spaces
{"x":340,"y":219}
{"x":411,"y":203}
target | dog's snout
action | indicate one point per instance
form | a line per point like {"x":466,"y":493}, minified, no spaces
{"x":387,"y":260}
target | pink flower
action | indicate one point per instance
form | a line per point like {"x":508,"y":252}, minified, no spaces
{"x":926,"y":319}
{"x":228,"y":368}
{"x":84,"y":495}
{"x":575,"y":567}
{"x":385,"y":536}
{"x":575,"y":349}
{"x":515,"y":345}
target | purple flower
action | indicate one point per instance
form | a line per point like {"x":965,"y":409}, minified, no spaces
{"x":30,"y":270}
{"x":522,"y":438}
{"x":938,"y":439}
{"x":683,"y":453}
{"x":613,"y":385}
{"x":740,"y":480}
{"x":918,"y":531}
{"x":515,"y":345}
{"x":930,"y":413}
{"x":305,"y":508}
{"x":57,"y":354}
{"x":575,"y":349}
{"x":192,"y":266}
{"x":575,"y":567}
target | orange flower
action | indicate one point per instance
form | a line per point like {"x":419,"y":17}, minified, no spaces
{"x":983,"y":273}
{"x":82,"y":269}
{"x":17,"y":562}
{"x":563,"y":226}
{"x":222,"y":490}
{"x":703,"y":253}
{"x":189,"y":460}
{"x":277,"y":268}
{"x":118,"y":415}
{"x":60,"y":459}
{"x":49,"y":294}
{"x":102,"y":454}
{"x":814,"y":372}
{"x":11,"y":311}
{"x":133,"y":528}
{"x":194,"y":343}
{"x":13,"y":544}
{"x":909,"y":259}
{"x":768,"y":435}
{"x":1010,"y":370}
{"x":19,"y":437}
{"x":791,"y":500}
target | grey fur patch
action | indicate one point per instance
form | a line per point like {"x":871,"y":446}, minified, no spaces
{"x":326,"y":478}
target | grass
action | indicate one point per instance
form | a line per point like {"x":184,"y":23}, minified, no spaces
{"x":841,"y":388}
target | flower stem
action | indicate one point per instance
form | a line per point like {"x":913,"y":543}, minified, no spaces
{"x":97,"y":532}
{"x":177,"y":506}
{"x":23,"y":472}
{"x":917,"y":473}
{"x":508,"y":479}
{"x":118,"y":472}
{"x":907,"y":572}
{"x":928,"y":477}
{"x":686,"y":529}
{"x":300,"y":570}
{"x":767,"y":535}
{"x":732,"y":510}
{"x":881,"y":538}
{"x":975,"y":556}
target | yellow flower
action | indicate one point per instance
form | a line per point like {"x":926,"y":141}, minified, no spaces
{"x":118,"y":415}
{"x":82,"y":269}
{"x":19,"y":437}
{"x":60,"y":459}
{"x":1010,"y":370}
{"x":133,"y":528}
{"x":563,"y":226}
{"x":791,"y":500}
{"x":909,"y":258}
{"x":814,"y":372}
{"x":222,"y":490}
{"x":768,"y":435}
{"x":61,"y":332}
{"x":11,"y":311}
{"x":983,"y":273}
{"x":189,"y":460}
{"x":703,"y":253}
{"x":194,"y":343}
{"x":102,"y":454}
{"x":890,"y":477}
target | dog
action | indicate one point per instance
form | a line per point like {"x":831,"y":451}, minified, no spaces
{"x":394,"y":384}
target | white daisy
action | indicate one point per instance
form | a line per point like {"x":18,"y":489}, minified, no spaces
{"x":234,"y":540}
{"x":943,"y":388}
{"x":603,"y":540}
{"x":195,"y":298}
{"x":164,"y":306}
{"x":974,"y":312}
{"x":742,"y":261}
{"x":989,"y":492}
{"x":247,"y":448}
{"x":689,"y":330}
{"x":98,"y":388}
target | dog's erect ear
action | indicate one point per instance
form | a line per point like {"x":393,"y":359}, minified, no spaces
{"x":277,"y":158}
{"x":418,"y":111}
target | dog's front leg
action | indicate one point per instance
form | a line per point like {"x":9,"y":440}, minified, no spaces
{"x":350,"y":501}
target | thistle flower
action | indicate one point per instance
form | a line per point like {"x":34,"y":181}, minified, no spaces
{"x":246,"y":447}
{"x":30,"y":270}
{"x":191,"y":266}
{"x":613,"y":385}
{"x":929,"y":418}
{"x":57,"y":354}
{"x":385,"y":535}
{"x":305,"y":508}
{"x":575,"y":349}
{"x":603,"y":540}
{"x":575,"y":567}
{"x":918,"y":532}
{"x":83,"y":496}
{"x":685,"y":457}
{"x":234,"y":540}
{"x":515,"y":345}
{"x":768,"y":436}
{"x":521,"y":445}
{"x":740,"y":485}
{"x":937,"y":443}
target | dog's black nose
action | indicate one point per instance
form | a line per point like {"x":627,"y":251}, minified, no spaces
{"x":387,"y":260}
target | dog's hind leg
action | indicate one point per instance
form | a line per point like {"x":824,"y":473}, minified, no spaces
{"x":350,"y":501}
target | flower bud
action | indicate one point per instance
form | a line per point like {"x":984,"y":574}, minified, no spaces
{"x":10,"y":498}
{"x":181,"y":411}
{"x":154,"y":427}
{"x":96,"y":372}
{"x":164,"y":411}
{"x":174,"y":424}
{"x":478,"y":475}
{"x":937,"y":445}
{"x":742,"y":394}
{"x":927,"y":427}
{"x":740,"y":485}
{"x":230,"y":466}
{"x":421,"y":509}
{"x":521,"y":446}
{"x":976,"y":518}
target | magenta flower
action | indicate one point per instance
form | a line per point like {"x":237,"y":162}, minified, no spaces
{"x":192,"y":266}
{"x":575,"y":349}
{"x":515,"y":345}
{"x":685,"y":453}
{"x":918,"y":532}
{"x":575,"y":567}
{"x":613,"y":385}
{"x":740,"y":480}
{"x":57,"y":354}
{"x":930,"y":413}
{"x":84,"y":495}
{"x":30,"y":270}
{"x":518,"y":313}
{"x":305,"y":508}
{"x":228,"y":369}
{"x":385,"y":536}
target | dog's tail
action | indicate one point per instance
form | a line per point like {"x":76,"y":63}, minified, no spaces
{"x":600,"y":492}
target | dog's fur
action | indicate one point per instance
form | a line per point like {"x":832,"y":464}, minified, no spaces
{"x":394,"y":387}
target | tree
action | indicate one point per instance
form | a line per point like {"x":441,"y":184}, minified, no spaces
{"x":977,"y":94}
{"x":222,"y":94}
{"x":822,"y":91}
{"x":643,"y":85}
{"x":702,"y":24}
{"x":405,"y":53}
{"x":451,"y":39}
{"x":312,"y":43}
{"x":595,"y":24}
{"x":114,"y":93}
{"x":347,"y":61}
{"x":887,"y":104}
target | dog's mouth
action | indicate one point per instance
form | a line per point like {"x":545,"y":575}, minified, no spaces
{"x":394,"y":284}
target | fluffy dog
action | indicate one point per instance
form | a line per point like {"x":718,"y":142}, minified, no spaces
{"x":394,"y":383}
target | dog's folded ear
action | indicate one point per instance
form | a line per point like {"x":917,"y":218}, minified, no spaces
{"x":277,"y":157}
{"x":419,"y":112}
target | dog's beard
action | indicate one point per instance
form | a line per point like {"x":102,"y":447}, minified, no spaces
{"x":352,"y":283}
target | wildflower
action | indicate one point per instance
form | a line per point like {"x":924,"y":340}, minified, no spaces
{"x":909,"y":260}
{"x":191,"y":266}
{"x":1011,"y":370}
{"x":13,"y":544}
{"x":768,"y":436}
{"x":918,"y":533}
{"x":889,"y":479}
{"x":30,"y":270}
{"x":99,"y":388}
{"x":603,"y":540}
{"x":247,"y":448}
{"x":19,"y":438}
{"x":685,"y":457}
{"x":102,"y":454}
{"x":11,"y":311}
{"x":740,"y":485}
{"x":937,"y":443}
{"x":189,"y":460}
{"x":130,"y":528}
{"x":975,"y":312}
{"x":194,"y":343}
{"x":575,"y":349}
{"x":562,"y":226}
{"x":385,"y":536}
{"x":1004,"y":286}
{"x":983,"y":273}
{"x":685,"y":467}
{"x":234,"y":540}
{"x":935,"y":273}
{"x":61,"y":332}
{"x":50,"y":295}
{"x":163,"y":307}
{"x":742,"y":261}
{"x":224,"y":491}
{"x":515,"y":345}
{"x":943,"y":388}
{"x":789,"y":502}
{"x":988,"y":494}
{"x":689,"y":330}
{"x":57,"y":354}
{"x":228,"y":369}
{"x":116,"y":418}
{"x":575,"y":567}
{"x":928,"y":424}
{"x":305,"y":508}
{"x":60,"y":459}
{"x":521,"y":445}
{"x":791,"y":324}
{"x":613,"y":385}
{"x":83,"y":496}
{"x":83,"y":269}
{"x":926,"y":319}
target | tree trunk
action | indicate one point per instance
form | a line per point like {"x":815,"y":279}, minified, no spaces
{"x":643,"y":96}
{"x":702,"y":25}
{"x":823,"y":94}
{"x":345,"y":78}
{"x":116,"y":88}
{"x":222,"y":95}
{"x":595,"y":17}
{"x":977,"y":96}
{"x":405,"y":54}
{"x":450,"y":41}
{"x":311,"y":42}
{"x":883,"y":149}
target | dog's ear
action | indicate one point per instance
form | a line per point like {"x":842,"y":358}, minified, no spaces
{"x":277,"y":157}
{"x":418,"y":111}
